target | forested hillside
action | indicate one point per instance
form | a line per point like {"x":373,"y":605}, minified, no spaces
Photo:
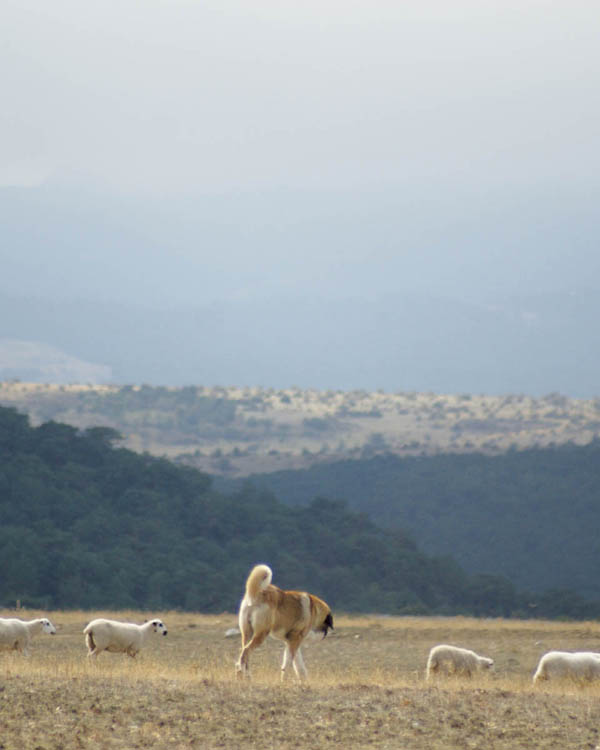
{"x":85,"y":524}
{"x":532,"y":516}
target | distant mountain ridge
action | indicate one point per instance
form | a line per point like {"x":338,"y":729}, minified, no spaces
{"x":174,"y":294}
{"x":41,"y":363}
{"x":407,"y":342}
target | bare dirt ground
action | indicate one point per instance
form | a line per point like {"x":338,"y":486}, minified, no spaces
{"x":366,"y":688}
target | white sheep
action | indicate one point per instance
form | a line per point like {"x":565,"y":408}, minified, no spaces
{"x":578,"y":665}
{"x":16,"y":635}
{"x":119,"y":637}
{"x":456,"y":661}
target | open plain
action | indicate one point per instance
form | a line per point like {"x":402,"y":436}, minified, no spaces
{"x":366,"y":688}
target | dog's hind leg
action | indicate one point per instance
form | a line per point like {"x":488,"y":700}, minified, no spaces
{"x":243,"y":667}
{"x":247,"y":632}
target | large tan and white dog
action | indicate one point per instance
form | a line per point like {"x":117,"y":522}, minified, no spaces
{"x":287,"y":615}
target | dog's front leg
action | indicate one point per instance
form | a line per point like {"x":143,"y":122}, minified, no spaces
{"x":299,"y":667}
{"x":287,"y":658}
{"x":292,"y":653}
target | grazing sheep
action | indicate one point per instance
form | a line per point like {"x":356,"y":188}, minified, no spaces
{"x":119,"y":637}
{"x":457,"y":661}
{"x":579,"y":665}
{"x":16,"y":635}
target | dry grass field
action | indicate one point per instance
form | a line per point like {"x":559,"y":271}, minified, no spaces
{"x":366,"y":688}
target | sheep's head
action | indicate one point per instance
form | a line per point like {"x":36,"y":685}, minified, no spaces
{"x":158,"y":627}
{"x":487,"y":663}
{"x":47,"y":626}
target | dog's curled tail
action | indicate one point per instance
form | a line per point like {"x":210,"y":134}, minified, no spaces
{"x":260,"y":577}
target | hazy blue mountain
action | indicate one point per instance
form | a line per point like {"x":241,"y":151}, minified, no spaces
{"x":268,"y":290}
{"x":405,"y":343}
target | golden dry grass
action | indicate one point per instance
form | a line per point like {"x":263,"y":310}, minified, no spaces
{"x":366,"y":688}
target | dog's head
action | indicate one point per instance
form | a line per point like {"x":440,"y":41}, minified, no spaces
{"x":322,"y":621}
{"x":326,"y":625}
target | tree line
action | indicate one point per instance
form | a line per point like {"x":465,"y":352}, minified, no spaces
{"x":87,"y":524}
{"x":531,"y":515}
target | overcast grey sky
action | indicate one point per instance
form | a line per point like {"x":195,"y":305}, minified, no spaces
{"x":183,"y":94}
{"x":266,"y":147}
{"x":162,"y":153}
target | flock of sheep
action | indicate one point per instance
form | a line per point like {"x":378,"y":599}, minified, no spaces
{"x":100,"y":634}
{"x":125,"y":637}
{"x":582,"y":666}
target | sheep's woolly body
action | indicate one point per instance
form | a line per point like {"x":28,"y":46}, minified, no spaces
{"x":456,"y":661}
{"x":583,"y":666}
{"x":119,"y":637}
{"x":16,"y":635}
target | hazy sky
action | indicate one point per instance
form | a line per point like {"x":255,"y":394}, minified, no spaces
{"x":337,"y":147}
{"x":178,"y":95}
{"x":256,"y":155}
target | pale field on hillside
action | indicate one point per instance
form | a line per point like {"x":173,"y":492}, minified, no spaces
{"x":366,"y":688}
{"x":295,"y":428}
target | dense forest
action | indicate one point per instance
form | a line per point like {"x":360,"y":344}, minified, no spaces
{"x":531,"y":516}
{"x":86,"y":524}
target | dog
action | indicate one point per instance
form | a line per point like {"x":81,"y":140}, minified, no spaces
{"x":287,"y":615}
